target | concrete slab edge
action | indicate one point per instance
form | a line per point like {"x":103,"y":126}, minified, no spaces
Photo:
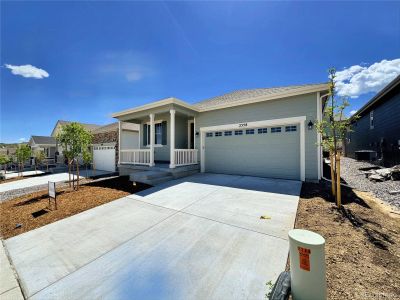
{"x":19,"y":293}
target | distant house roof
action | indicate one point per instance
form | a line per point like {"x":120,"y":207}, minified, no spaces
{"x":235,"y":98}
{"x":380,"y":96}
{"x":86,"y":125}
{"x":106,"y":128}
{"x":43,"y":140}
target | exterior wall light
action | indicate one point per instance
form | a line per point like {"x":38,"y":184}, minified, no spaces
{"x":310,"y":125}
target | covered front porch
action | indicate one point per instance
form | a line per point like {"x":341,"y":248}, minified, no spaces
{"x":167,"y":137}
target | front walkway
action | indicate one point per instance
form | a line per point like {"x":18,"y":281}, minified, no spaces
{"x":200,"y":237}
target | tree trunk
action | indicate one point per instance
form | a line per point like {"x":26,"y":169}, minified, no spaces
{"x":73,"y":175}
{"x":69,"y":173}
{"x":77,"y":174}
{"x":338,"y":187}
{"x":333,"y":174}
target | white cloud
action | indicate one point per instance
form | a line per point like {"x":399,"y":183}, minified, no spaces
{"x":134,"y":75}
{"x":21,"y":140}
{"x":352,"y":112}
{"x":129,"y":65}
{"x":28,"y":71}
{"x":357,"y":80}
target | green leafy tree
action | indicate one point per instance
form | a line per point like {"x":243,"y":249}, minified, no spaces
{"x":333,"y":128}
{"x":23,"y":153}
{"x":87,"y":159}
{"x":39,"y":158}
{"x":4,"y":160}
{"x":75,"y":139}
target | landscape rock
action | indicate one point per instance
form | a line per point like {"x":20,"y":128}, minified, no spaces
{"x":376,"y":177}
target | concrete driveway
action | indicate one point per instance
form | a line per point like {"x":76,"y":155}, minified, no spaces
{"x":200,"y":237}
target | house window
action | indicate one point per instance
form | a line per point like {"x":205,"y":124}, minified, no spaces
{"x":371,"y":119}
{"x":262,"y":130}
{"x":228,"y":133}
{"x":238,"y":132}
{"x":249,"y":131}
{"x":158,"y":129}
{"x":275,"y":129}
{"x":209,"y":134}
{"x":160,"y":134}
{"x":218,"y":133}
{"x":290,"y":128}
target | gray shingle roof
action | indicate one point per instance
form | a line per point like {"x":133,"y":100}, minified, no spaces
{"x":241,"y":95}
{"x":43,"y":140}
{"x":106,"y":128}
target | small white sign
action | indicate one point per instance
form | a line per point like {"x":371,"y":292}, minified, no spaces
{"x":52,"y":189}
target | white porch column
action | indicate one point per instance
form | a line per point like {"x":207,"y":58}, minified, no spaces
{"x":172,"y":142}
{"x":152,"y":138}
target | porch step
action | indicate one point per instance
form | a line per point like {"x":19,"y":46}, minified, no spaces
{"x":157,"y":176}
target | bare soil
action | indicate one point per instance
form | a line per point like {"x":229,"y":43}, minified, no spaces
{"x":362,"y":242}
{"x":22,"y":210}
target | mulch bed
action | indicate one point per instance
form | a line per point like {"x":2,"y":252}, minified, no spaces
{"x":69,"y":202}
{"x":362,"y":243}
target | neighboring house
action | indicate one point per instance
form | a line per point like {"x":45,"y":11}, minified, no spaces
{"x":260,"y":132}
{"x":58,"y":127}
{"x":105,"y":143}
{"x":47,"y":144}
{"x":378,"y":126}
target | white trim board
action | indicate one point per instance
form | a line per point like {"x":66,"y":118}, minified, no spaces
{"x":265,"y":123}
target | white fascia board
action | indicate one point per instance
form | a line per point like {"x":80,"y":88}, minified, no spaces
{"x":154,"y":105}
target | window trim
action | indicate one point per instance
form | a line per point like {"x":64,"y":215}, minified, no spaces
{"x":148,"y":133}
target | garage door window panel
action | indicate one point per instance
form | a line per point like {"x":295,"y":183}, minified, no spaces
{"x":276,"y":129}
{"x":291,"y":128}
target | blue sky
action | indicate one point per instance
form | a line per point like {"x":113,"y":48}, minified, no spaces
{"x":103,"y":57}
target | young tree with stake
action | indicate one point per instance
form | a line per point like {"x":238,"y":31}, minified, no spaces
{"x":22,"y":153}
{"x":75,"y":139}
{"x":333,"y":128}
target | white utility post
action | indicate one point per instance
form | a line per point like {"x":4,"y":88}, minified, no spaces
{"x":307,"y":265}
{"x":152,"y":138}
{"x":172,"y":142}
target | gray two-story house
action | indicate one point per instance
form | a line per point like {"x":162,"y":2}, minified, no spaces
{"x":376,"y":127}
{"x":266,"y":132}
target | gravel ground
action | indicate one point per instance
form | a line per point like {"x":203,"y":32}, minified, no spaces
{"x":349,"y":169}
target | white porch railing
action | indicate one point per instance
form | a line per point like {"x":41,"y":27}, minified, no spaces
{"x":185,"y":157}
{"x":135,"y":156}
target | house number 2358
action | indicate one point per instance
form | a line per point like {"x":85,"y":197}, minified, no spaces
{"x":242,"y":124}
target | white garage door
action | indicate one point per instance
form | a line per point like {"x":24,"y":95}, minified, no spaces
{"x":104,"y":157}
{"x":264,"y":151}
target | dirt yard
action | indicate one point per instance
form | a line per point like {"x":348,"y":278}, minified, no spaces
{"x":362,"y":243}
{"x":32,"y":210}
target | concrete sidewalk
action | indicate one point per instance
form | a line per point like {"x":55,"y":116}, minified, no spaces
{"x":9,"y":287}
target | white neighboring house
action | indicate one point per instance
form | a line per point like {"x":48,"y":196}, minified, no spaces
{"x":106,"y":144}
{"x":47,"y":144}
